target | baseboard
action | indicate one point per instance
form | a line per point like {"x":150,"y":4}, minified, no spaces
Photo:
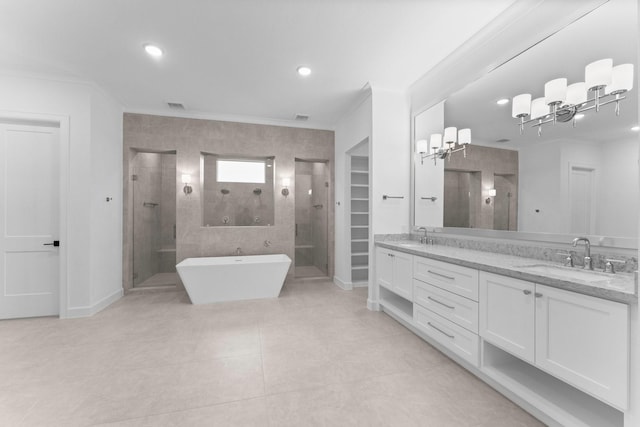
{"x":373,"y":305}
{"x":347,"y":286}
{"x":360,"y":284}
{"x":88,"y":311}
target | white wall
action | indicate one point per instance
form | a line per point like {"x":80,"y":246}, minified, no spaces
{"x":106,"y":216}
{"x":73,"y":100}
{"x":350,"y":131}
{"x":390,"y":160}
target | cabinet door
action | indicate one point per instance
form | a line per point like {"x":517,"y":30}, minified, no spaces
{"x":507,"y":314}
{"x":584,"y":341}
{"x":384,"y":268}
{"x":403,"y":274}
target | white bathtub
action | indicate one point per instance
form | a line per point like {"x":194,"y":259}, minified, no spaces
{"x":232,"y":278}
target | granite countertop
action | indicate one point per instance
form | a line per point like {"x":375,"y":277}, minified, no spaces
{"x":620,"y":287}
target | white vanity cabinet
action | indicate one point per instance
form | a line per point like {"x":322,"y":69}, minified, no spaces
{"x":579,"y":339}
{"x":394,"y":272}
{"x":584,"y":341}
{"x":446,"y":305}
{"x":507,"y":314}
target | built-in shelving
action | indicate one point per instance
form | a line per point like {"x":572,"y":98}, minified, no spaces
{"x":547,"y":393}
{"x":396,"y":305}
{"x":359,"y":219}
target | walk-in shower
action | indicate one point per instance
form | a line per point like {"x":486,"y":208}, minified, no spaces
{"x":153,"y":177}
{"x":311,"y":228}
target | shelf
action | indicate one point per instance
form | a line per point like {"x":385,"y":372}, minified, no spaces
{"x":304,"y":246}
{"x":359,"y":253}
{"x":360,"y":199}
{"x":162,"y":250}
{"x":396,"y":305}
{"x":359,"y":240}
{"x":359,"y":226}
{"x":359,"y":267}
{"x":566,"y":404}
{"x":359,"y":213}
{"x":360,"y":172}
{"x":360,"y":185}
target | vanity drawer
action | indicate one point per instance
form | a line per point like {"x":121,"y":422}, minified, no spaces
{"x":459,"y":310}
{"x":454,"y":278}
{"x":457,"y":339}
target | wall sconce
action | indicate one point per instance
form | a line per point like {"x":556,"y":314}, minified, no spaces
{"x":286,"y":182}
{"x":186,"y":180}
{"x":455,"y":140}
{"x":490,"y":193}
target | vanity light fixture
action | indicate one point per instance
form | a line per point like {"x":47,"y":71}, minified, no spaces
{"x":562,"y":102}
{"x":455,"y":140}
{"x":153,"y":50}
{"x":286,"y":182}
{"x":186,"y":180}
{"x":490,"y":193}
{"x":635,"y":128}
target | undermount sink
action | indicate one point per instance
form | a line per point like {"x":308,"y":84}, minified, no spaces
{"x":411,"y":245}
{"x":566,"y":272}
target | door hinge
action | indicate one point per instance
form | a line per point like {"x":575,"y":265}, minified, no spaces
{"x":134,"y":177}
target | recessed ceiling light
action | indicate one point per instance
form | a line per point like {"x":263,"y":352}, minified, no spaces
{"x":153,"y":50}
{"x":502,"y":101}
{"x":635,"y":128}
{"x":304,"y":71}
{"x":579,"y":116}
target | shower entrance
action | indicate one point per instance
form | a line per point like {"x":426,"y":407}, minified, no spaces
{"x":153,"y":177}
{"x":311,"y":229}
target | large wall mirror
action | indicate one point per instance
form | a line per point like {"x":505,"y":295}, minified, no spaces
{"x":577,"y":177}
{"x":237,"y":190}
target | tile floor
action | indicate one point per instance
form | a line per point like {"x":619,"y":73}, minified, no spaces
{"x":313,"y":357}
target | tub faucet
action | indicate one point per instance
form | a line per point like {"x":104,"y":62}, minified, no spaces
{"x":588,"y":265}
{"x":238,"y":251}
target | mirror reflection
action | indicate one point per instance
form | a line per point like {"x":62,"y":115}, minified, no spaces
{"x":237,"y":191}
{"x":577,"y":177}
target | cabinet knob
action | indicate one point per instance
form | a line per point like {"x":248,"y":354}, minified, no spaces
{"x":538,"y":295}
{"x":527,"y":292}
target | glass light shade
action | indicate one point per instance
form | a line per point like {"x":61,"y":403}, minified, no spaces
{"x":435,"y":142}
{"x":286,"y":182}
{"x":450,"y":135}
{"x":621,"y":79}
{"x":598,"y":74}
{"x":186,"y":179}
{"x":153,"y":50}
{"x":555,"y":91}
{"x":576,"y":93}
{"x":464,"y":136}
{"x":521,"y":106}
{"x":422,"y":146}
{"x":539,"y":108}
{"x":491,"y":192}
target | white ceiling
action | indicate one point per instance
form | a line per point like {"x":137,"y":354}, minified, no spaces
{"x":236,"y":59}
{"x":611,"y":31}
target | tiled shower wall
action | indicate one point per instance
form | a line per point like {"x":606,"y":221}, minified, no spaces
{"x":191,"y":137}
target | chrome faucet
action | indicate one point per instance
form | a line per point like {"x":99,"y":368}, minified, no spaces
{"x":424,"y":239}
{"x":238,"y":251}
{"x":588,"y":265}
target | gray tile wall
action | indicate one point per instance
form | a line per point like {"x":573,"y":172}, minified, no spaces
{"x":189,"y":138}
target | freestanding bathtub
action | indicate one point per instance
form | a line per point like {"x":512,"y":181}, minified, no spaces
{"x":232,"y":278}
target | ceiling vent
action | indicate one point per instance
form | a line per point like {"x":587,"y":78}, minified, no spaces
{"x":302,"y":117}
{"x":503,"y":140}
{"x":176,"y":105}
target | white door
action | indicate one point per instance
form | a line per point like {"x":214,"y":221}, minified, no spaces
{"x":29,"y":220}
{"x":581,"y":199}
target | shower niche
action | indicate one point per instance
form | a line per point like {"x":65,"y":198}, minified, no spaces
{"x":153,"y":183}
